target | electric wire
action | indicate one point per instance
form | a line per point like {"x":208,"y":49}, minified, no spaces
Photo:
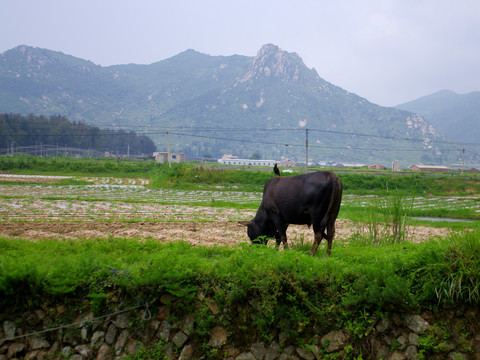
{"x":146,"y":316}
{"x":146,"y":130}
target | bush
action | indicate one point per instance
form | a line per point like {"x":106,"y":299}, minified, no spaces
{"x":186,"y":176}
{"x":461,"y":280}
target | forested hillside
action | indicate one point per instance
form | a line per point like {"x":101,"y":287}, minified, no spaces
{"x":18,"y":131}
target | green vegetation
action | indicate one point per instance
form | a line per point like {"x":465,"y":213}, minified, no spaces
{"x":368,"y":197}
{"x":186,"y":177}
{"x":193,"y":176}
{"x":287,"y":287}
{"x":69,"y":166}
{"x":158,"y":352}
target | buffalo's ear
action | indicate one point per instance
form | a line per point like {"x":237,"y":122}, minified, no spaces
{"x":245,"y":223}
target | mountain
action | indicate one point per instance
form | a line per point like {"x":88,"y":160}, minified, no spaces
{"x":451,"y":113}
{"x":46,"y":82}
{"x":266,"y":105}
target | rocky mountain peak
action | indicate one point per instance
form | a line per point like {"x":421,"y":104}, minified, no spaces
{"x":273,"y":62}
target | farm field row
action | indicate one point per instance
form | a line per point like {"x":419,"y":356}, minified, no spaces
{"x":134,"y":190}
{"x":132,"y":193}
{"x":107,"y":207}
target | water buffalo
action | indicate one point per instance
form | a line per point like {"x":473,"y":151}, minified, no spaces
{"x":303,"y":199}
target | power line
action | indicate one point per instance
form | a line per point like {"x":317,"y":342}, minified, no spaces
{"x":285,"y":144}
{"x":236,"y":140}
{"x":303,"y":145}
{"x":156,"y":130}
{"x":149,"y":130}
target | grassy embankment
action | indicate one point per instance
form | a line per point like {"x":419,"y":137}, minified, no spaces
{"x":363,"y":278}
{"x":287,"y":291}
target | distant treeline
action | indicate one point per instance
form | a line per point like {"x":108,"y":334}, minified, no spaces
{"x":17,"y":130}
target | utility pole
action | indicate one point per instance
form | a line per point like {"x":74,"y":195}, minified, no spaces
{"x":306,"y":151}
{"x":463,"y":159}
{"x":168,"y":152}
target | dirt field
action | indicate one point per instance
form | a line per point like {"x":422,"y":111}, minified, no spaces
{"x":34,"y":212}
{"x":196,"y":233}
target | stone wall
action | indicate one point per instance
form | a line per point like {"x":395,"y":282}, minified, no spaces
{"x":446,"y":335}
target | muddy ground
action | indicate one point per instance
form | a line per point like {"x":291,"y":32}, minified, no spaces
{"x":196,"y":233}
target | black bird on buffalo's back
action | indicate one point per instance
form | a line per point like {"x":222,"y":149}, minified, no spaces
{"x":276,"y":170}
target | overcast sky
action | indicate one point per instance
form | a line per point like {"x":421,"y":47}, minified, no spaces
{"x":388,"y":52}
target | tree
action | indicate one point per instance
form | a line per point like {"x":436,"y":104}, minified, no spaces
{"x":58,"y":130}
{"x":256,"y":156}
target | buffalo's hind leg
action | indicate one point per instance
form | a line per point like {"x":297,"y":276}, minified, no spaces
{"x":330,"y":235}
{"x":319,"y":232}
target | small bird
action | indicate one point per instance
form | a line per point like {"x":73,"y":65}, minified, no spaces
{"x":275,"y":170}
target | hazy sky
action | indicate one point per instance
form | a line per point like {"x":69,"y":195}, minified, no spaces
{"x":389,"y":52}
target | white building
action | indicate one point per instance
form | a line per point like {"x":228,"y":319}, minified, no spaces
{"x":247,"y":162}
{"x":396,"y":166}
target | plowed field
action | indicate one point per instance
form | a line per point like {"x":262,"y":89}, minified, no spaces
{"x":115,"y":209}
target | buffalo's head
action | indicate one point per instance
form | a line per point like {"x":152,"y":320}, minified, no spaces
{"x":259,"y":232}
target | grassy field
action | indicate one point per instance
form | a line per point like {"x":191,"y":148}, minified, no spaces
{"x":373,"y":271}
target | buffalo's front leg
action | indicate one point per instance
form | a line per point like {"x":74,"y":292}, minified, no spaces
{"x":281,"y":237}
{"x":281,"y":233}
{"x":277,"y":239}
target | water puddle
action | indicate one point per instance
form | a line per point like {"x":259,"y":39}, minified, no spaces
{"x":434,"y":219}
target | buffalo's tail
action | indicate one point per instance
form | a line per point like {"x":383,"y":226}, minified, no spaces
{"x":335,"y":184}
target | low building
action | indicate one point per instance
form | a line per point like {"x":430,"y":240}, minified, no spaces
{"x":376,"y":167}
{"x":175,"y":157}
{"x":352,"y":165}
{"x":461,"y":167}
{"x":435,"y":168}
{"x":229,"y":156}
{"x":286,"y":164}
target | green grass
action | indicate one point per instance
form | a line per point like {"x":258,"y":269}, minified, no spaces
{"x":71,"y":166}
{"x":188,"y":176}
{"x":372,"y":277}
{"x":287,"y":291}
